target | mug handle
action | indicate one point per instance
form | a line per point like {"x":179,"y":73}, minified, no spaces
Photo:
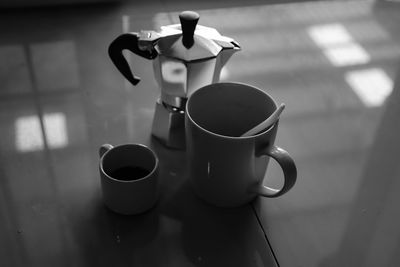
{"x":289,"y":172}
{"x":104,"y":148}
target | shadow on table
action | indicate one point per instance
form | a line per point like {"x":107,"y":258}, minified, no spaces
{"x":213,"y":236}
{"x":109,"y":239}
{"x":371,"y":236}
{"x":208,"y":235}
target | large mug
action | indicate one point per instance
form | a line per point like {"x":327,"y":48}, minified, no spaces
{"x":224,"y":168}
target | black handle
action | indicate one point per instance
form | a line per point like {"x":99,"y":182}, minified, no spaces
{"x":129,"y":41}
{"x":189,"y":21}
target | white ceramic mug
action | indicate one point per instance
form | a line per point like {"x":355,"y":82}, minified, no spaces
{"x":224,"y":168}
{"x":129,"y":177}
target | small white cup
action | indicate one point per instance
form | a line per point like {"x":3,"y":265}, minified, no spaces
{"x":129,"y":177}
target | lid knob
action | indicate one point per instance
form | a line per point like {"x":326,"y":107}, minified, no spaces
{"x":189,"y":21}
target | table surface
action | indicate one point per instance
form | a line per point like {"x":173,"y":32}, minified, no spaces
{"x":333,"y":63}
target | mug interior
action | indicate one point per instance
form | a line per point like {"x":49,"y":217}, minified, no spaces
{"x":129,"y":155}
{"x":229,"y":109}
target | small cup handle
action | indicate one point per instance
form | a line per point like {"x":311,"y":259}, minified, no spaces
{"x":104,"y":148}
{"x":289,"y":172}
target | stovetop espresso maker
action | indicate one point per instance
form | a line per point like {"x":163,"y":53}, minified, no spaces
{"x":186,"y":57}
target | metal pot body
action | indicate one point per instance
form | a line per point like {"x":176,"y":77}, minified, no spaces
{"x":178,"y":79}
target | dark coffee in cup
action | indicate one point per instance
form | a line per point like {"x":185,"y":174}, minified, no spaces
{"x":129,"y":173}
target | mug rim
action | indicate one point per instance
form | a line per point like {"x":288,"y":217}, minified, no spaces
{"x":153,"y":170}
{"x":227,"y":136}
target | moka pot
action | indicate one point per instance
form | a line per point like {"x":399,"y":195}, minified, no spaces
{"x":185,"y":57}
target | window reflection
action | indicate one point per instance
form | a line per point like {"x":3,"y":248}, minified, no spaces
{"x":372,"y":86}
{"x":350,"y":54}
{"x":56,"y":130}
{"x":338,"y":45}
{"x":330,"y":35}
{"x":28,"y":134}
{"x":30,"y":137}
